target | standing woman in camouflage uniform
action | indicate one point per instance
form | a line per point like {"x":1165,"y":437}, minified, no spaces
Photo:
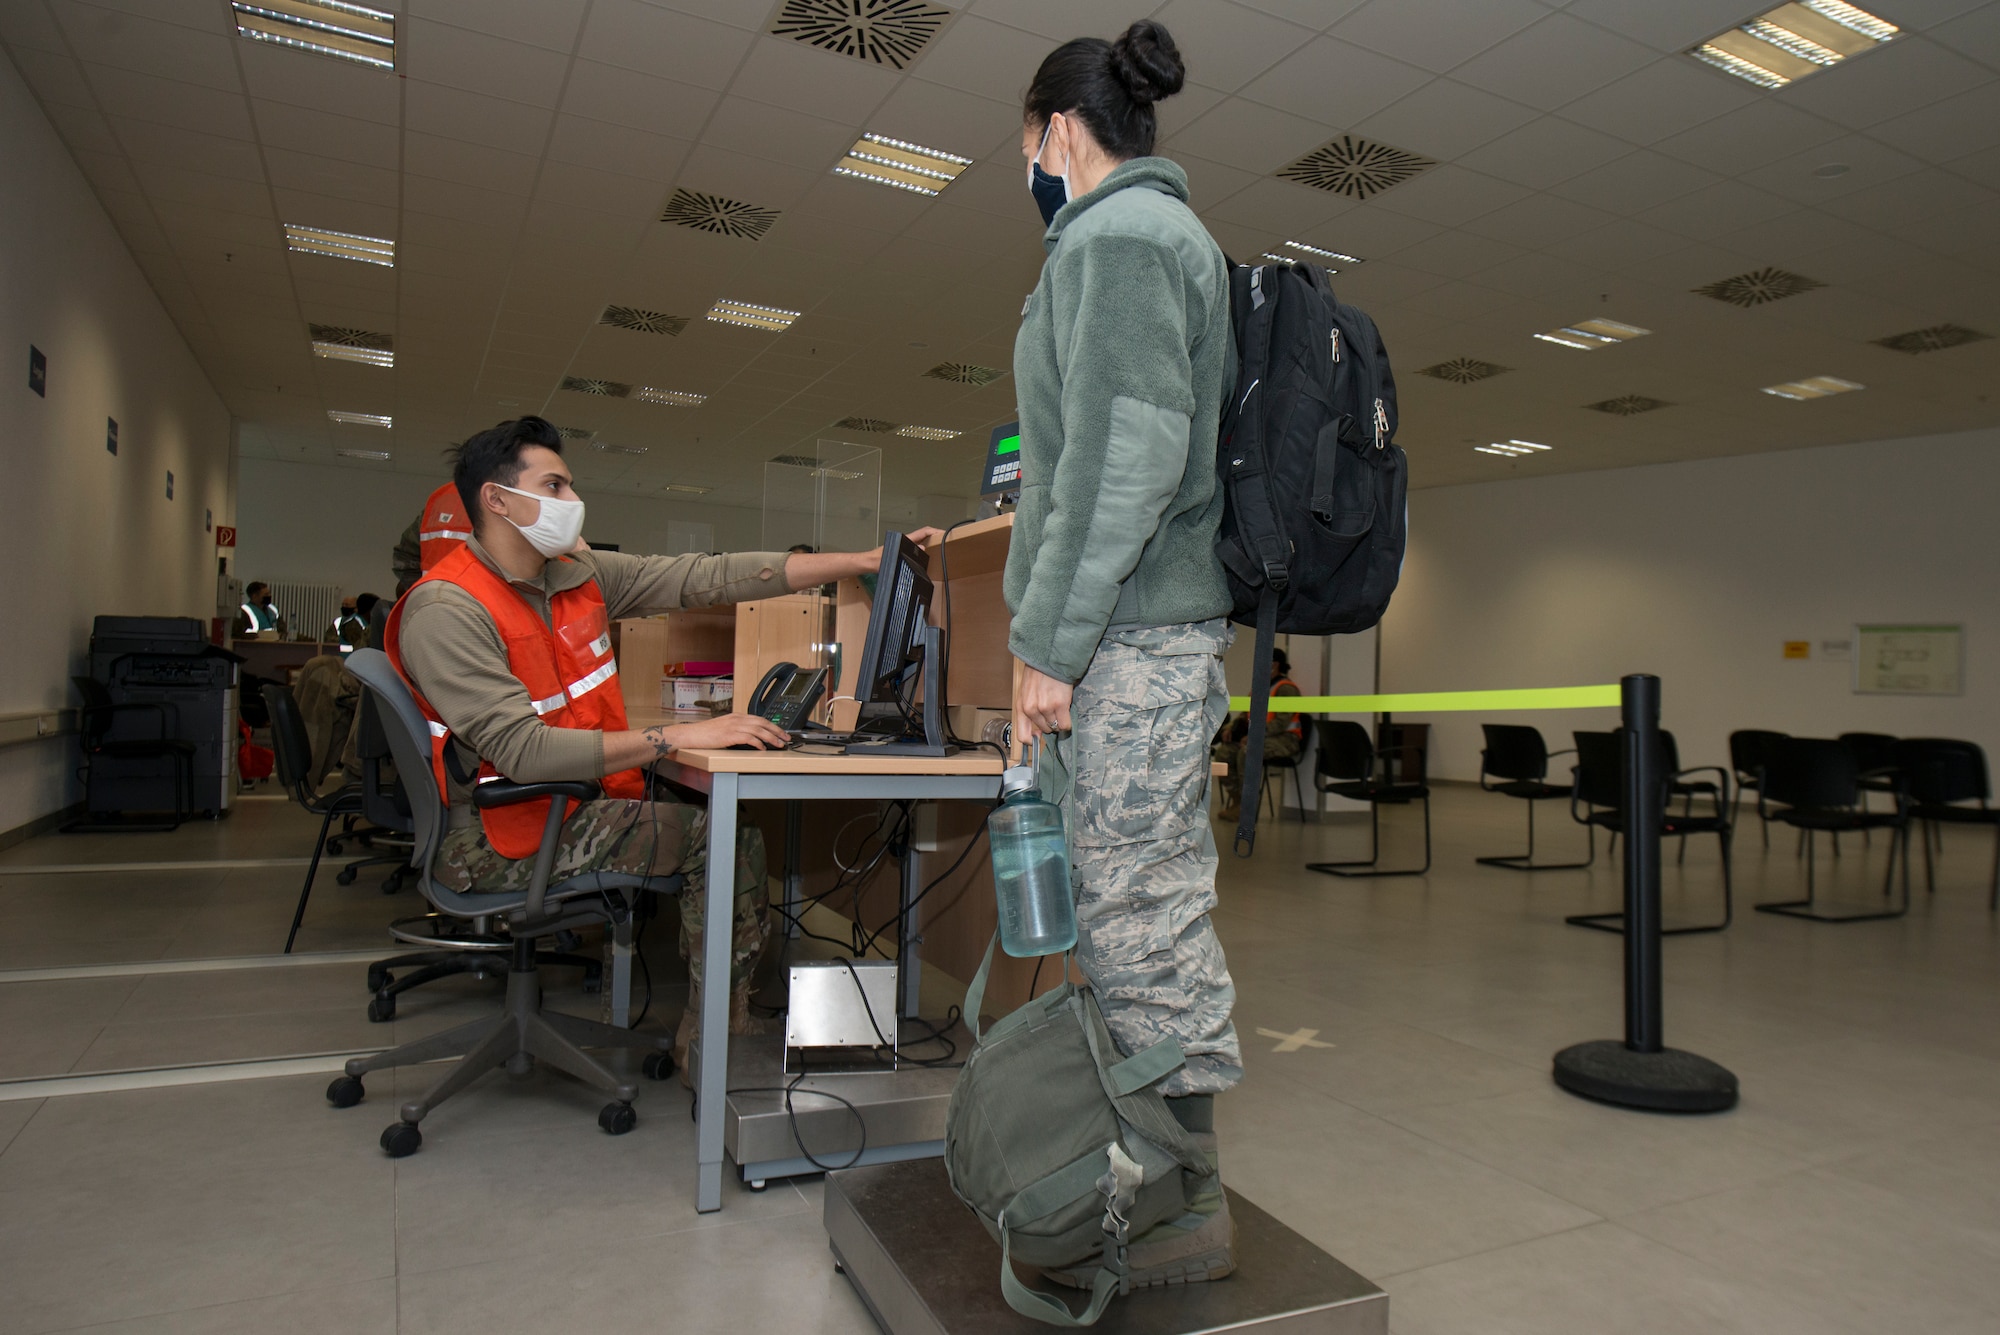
{"x":1122,"y":366}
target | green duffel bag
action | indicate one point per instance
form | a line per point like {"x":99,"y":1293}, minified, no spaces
{"x":1063,"y":1146}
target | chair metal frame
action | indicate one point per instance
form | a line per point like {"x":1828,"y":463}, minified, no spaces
{"x":1592,"y":790}
{"x":1526,"y":861}
{"x":1839,"y":778}
{"x":1392,"y":794}
{"x":1925,"y":764}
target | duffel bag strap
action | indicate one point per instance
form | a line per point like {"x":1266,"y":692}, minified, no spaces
{"x":1046,"y":1307}
{"x":975,"y":996}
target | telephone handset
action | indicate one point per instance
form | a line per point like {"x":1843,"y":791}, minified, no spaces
{"x":787,"y":695}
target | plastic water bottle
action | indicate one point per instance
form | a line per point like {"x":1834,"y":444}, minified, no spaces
{"x":1031,"y":869}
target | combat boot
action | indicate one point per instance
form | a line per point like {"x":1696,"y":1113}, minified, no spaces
{"x":741,"y":1021}
{"x":1197,"y":1247}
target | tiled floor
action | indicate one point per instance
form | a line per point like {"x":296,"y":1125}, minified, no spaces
{"x":1855,"y":1189}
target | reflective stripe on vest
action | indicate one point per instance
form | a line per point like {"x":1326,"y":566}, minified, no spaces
{"x":540,"y":656}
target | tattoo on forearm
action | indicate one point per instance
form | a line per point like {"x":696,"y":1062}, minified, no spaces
{"x":662,"y":744}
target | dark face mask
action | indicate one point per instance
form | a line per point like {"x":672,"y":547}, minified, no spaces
{"x":1050,"y":192}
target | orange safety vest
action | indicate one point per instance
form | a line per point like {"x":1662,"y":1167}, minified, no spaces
{"x":444,"y":528}
{"x":1297,"y":729}
{"x":568,"y":670}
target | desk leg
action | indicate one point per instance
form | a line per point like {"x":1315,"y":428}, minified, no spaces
{"x":795,"y":877}
{"x":715,"y":953}
{"x":910,"y":955}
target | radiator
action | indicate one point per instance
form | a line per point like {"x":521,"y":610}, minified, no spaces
{"x":309,"y":609}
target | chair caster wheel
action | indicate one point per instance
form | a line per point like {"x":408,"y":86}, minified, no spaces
{"x":393,"y":885}
{"x":381,"y":1009}
{"x":617,"y":1118}
{"x":345,"y":1091}
{"x":378,"y":978}
{"x":333,"y":846}
{"x":758,"y":1184}
{"x":658,"y":1065}
{"x":346,"y":876}
{"x":401,"y":1139}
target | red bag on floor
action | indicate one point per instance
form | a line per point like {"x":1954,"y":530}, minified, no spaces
{"x":253,"y":761}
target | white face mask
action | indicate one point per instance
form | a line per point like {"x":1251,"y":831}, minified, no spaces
{"x":556,"y":528}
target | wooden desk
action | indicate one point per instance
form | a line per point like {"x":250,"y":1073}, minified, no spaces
{"x":729,"y":777}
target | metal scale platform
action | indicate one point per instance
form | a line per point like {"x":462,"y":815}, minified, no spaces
{"x":924,"y":1266}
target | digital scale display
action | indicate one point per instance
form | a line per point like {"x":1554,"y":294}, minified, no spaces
{"x":1003,"y":461}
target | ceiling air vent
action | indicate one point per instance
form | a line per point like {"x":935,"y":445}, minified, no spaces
{"x":881,"y":32}
{"x":1759,"y":286}
{"x":713,"y":213}
{"x":1629,"y":405}
{"x":964,"y":373}
{"x":608,"y":389}
{"x":1464,"y":370}
{"x":644,"y":322}
{"x":1356,"y":167}
{"x":1934,"y":339}
{"x":575,"y":432}
{"x":874,"y":424}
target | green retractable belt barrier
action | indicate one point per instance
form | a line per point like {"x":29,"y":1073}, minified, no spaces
{"x":1429,"y":702}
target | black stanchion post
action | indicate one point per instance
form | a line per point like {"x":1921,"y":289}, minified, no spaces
{"x":1642,"y":1072}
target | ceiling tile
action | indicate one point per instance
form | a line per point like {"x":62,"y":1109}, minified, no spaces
{"x":1544,"y":153}
{"x":1247,"y":135}
{"x":635,"y":197}
{"x":640,"y":101}
{"x":331,"y":177}
{"x":1664,"y":27}
{"x":1975,"y":35}
{"x":149,"y":46}
{"x":755,"y":129}
{"x":1618,"y":247}
{"x":313,"y":82}
{"x":1929,"y":192}
{"x":768,"y":185}
{"x":1280,"y":208}
{"x":1658,"y":100}
{"x":1717,"y":210}
{"x":1754,"y":136}
{"x":1370,"y":231}
{"x":982,"y":58}
{"x":31,"y":28}
{"x":1948,"y":129}
{"x":474,"y":62}
{"x":1456,"y":254}
{"x":1538,"y":221}
{"x":1554,"y":62}
{"x":1435,"y":34}
{"x":1225,"y":45}
{"x":664,"y":43}
{"x":281,"y":125}
{"x":1887,"y":82}
{"x":1868,"y":162}
{"x":206,"y":191}
{"x":1209,"y":183}
{"x":468,"y":164}
{"x":474,"y":117}
{"x":619,"y":148}
{"x":111,"y":171}
{"x":186,"y":148}
{"x":83,"y":130}
{"x":186,"y":106}
{"x":1335,"y":84}
{"x":549,"y":23}
{"x":948,"y":119}
{"x":1449,"y":195}
{"x":1635,"y":182}
{"x":55,"y":79}
{"x":1444,"y":120}
{"x":818,"y":83}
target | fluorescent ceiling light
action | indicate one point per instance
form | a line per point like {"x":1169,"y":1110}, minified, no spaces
{"x":359,"y":419}
{"x":364,"y":454}
{"x":1590,"y":335}
{"x":608,"y":448}
{"x":907,"y":166}
{"x":324,"y":27}
{"x":1319,"y":253}
{"x":927,"y":432}
{"x":1783,"y":45}
{"x":345,"y":352}
{"x":687,"y":488}
{"x":1816,"y":387}
{"x":1511,"y":449}
{"x":773,"y":319}
{"x":672,"y":398}
{"x":341,"y":245}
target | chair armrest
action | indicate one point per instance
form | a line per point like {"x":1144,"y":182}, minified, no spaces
{"x":505,"y":792}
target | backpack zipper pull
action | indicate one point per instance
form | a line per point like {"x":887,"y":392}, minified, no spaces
{"x":1381,"y":423}
{"x":1333,"y":343}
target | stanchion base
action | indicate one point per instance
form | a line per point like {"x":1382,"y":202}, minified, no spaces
{"x":1665,"y":1081}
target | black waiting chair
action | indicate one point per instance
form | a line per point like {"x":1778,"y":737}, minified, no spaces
{"x":1747,"y":749}
{"x":1516,"y":756}
{"x":522,"y":1032}
{"x":447,"y":946}
{"x":1597,"y":801}
{"x":1940,"y":777}
{"x":97,"y":721}
{"x":1874,"y":756}
{"x":1814,"y":785}
{"x":292,"y":746}
{"x":1347,"y":764}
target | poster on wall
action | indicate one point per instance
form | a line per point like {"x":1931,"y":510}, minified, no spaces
{"x":1909,"y":660}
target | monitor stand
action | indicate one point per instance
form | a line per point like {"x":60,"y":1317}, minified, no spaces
{"x":932,"y":742}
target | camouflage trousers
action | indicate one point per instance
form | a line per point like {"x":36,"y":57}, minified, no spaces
{"x":643,"y":838}
{"x":1277,"y":746}
{"x":1141,"y":847}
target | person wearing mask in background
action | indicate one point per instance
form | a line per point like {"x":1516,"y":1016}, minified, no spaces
{"x":507,"y":643}
{"x":350,"y":628}
{"x":1122,"y":364}
{"x":440,"y":529}
{"x":258,"y":614}
{"x":1284,"y":738}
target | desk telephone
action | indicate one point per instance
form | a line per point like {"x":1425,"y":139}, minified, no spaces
{"x":787,"y":695}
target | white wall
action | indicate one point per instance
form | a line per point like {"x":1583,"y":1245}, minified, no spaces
{"x":86,"y":532}
{"x":1699,"y":572}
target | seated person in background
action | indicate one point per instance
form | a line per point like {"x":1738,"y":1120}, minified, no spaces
{"x":507,"y":642}
{"x":257,"y":613}
{"x":350,"y":628}
{"x":1284,"y":735}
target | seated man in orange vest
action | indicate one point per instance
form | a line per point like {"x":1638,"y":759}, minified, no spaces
{"x":507,"y":642}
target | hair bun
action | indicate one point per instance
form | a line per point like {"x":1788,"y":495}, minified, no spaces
{"x":1146,"y":61}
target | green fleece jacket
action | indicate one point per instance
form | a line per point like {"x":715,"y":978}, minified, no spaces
{"x":1120,"y":370}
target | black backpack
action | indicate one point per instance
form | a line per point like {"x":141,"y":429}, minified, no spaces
{"x":1313,"y":483}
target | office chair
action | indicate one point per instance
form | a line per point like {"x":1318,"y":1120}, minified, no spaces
{"x":1345,"y":764}
{"x":293,"y":748}
{"x":1597,"y":800}
{"x":523,"y":1032}
{"x":447,"y":946}
{"x":1516,"y":755}
{"x":95,"y":722}
{"x":1939,"y":775}
{"x":1814,"y":782}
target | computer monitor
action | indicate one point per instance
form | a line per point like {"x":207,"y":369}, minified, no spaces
{"x":1003,"y":463}
{"x":901,"y":651}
